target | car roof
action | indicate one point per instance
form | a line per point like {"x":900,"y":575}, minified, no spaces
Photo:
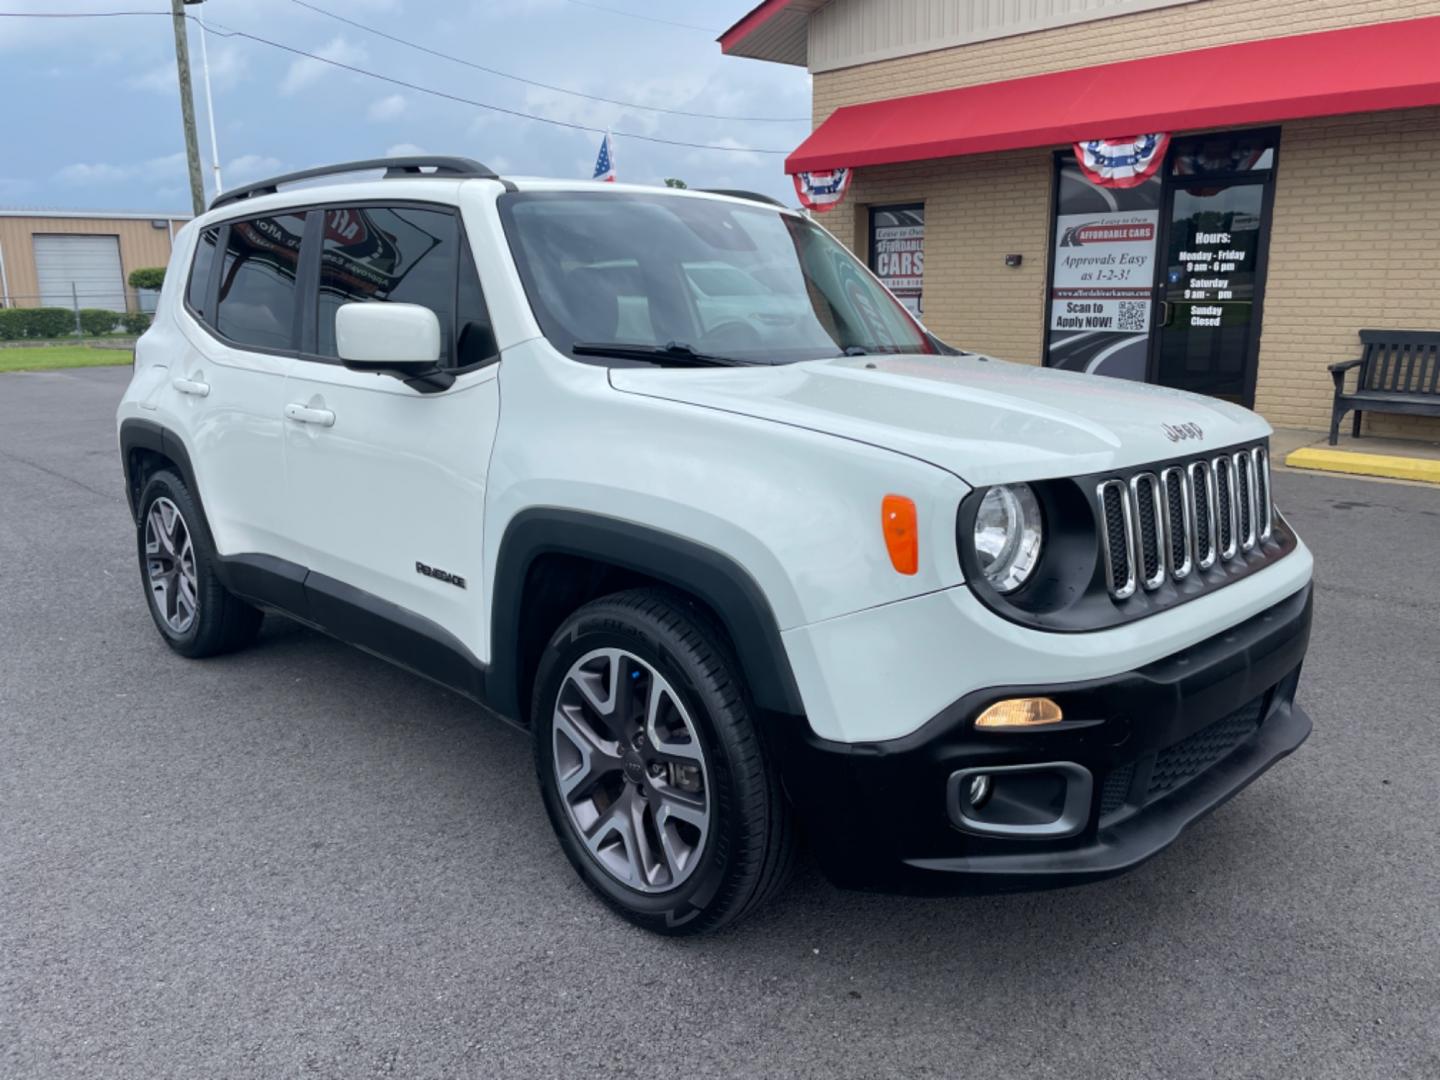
{"x":447,"y":189}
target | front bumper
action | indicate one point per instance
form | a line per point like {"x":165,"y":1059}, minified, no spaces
{"x":1158,"y":748}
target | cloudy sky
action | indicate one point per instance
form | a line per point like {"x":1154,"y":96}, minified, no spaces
{"x":93,"y":115}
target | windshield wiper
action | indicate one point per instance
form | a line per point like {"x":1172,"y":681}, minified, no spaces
{"x":675,"y":354}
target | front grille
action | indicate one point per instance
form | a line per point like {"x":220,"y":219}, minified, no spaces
{"x":1187,"y":759}
{"x":1183,"y":517}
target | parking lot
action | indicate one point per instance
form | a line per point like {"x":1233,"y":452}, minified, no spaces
{"x":299,"y":860}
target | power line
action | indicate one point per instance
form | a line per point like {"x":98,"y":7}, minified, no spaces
{"x":644,"y":18}
{"x":214,"y":28}
{"x":545,"y":86}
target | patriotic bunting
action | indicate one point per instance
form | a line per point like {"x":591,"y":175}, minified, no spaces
{"x":822,"y":191}
{"x":1121,"y":163}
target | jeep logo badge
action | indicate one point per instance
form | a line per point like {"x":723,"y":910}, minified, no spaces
{"x":1179,"y":432}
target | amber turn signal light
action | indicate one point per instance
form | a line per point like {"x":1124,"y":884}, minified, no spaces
{"x":902,"y":538}
{"x":1020,"y":713}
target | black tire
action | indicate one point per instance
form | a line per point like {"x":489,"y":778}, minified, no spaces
{"x":749,"y":850}
{"x":221,"y":621}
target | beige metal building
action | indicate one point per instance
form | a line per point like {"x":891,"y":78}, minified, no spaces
{"x":67,"y":258}
{"x":1294,"y":198}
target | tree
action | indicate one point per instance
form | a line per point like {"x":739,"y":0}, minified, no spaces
{"x":671,"y":181}
{"x":147,"y":277}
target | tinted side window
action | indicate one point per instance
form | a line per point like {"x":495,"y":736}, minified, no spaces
{"x":401,"y":255}
{"x":257,"y":281}
{"x":197,"y":293}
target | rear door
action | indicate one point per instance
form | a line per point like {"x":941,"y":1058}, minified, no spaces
{"x":386,"y":487}
{"x":227,"y":390}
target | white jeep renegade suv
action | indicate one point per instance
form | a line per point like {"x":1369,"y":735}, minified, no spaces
{"x":670,"y":480}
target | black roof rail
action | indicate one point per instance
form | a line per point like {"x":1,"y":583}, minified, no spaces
{"x":753,"y":196}
{"x":452,"y":168}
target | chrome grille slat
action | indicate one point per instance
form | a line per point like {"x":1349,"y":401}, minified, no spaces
{"x":1225,"y":508}
{"x":1202,"y":494}
{"x":1183,"y":518}
{"x":1149,"y":529}
{"x":1244,"y":499}
{"x":1265,"y":522}
{"x":1117,"y":538}
{"x":1179,"y":524}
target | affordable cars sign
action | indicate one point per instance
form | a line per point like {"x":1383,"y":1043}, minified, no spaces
{"x":1104,"y":271}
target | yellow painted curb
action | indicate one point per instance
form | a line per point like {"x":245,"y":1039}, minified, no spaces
{"x":1348,"y":461}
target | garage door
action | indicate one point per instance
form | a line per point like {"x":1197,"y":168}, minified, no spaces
{"x":89,"y":264}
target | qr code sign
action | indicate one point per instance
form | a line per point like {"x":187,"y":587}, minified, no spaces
{"x":1131,"y":315}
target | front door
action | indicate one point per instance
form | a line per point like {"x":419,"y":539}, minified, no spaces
{"x":386,"y":484}
{"x":1211,"y":282}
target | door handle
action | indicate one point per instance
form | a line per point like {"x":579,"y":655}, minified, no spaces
{"x":191,"y":386}
{"x":303,"y":414}
{"x":1165,"y":312}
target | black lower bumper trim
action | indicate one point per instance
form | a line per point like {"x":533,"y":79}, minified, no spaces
{"x":879,"y":815}
{"x":1126,"y":845}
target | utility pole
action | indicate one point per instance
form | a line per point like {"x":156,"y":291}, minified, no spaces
{"x":187,"y":106}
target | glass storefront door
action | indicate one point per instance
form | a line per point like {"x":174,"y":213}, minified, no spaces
{"x":1164,"y":281}
{"x":1208,"y":330}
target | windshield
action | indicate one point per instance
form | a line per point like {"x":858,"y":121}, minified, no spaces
{"x":732,"y":281}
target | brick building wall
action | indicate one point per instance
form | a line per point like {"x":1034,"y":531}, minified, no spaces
{"x":1355,"y":243}
{"x":1355,"y":240}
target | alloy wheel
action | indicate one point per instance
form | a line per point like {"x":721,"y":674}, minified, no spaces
{"x":631,"y":770}
{"x":170,"y":565}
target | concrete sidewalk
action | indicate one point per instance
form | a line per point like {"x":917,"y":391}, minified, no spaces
{"x":1413,"y":460}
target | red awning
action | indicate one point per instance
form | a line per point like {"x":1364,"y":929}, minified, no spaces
{"x":1392,"y":65}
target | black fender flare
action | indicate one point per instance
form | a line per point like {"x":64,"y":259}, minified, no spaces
{"x":711,"y":576}
{"x":138,"y":434}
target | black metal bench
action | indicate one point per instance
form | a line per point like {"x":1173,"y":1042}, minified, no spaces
{"x":1399,"y":373}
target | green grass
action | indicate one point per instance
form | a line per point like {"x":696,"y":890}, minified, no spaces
{"x":62,"y":356}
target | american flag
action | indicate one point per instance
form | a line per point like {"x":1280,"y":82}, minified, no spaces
{"x":605,"y":163}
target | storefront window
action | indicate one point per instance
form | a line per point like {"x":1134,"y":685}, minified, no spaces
{"x":1223,"y":152}
{"x":1103,"y":278}
{"x":897,"y":252}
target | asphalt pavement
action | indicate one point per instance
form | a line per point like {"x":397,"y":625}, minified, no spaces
{"x":301,"y":861}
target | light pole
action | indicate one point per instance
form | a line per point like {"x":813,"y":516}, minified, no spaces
{"x":209,"y":101}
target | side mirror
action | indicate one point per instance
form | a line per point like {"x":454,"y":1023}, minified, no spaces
{"x":402,"y":340}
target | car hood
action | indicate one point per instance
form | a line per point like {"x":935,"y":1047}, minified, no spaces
{"x":985,"y":420}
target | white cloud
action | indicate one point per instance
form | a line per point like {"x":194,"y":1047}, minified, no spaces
{"x":227,"y":67}
{"x":406,"y":149}
{"x":387,"y":108}
{"x":304,"y":72}
{"x":251,"y":167}
{"x":104,"y":172}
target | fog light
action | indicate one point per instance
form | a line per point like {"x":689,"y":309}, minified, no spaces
{"x":979,"y":791}
{"x":1020,"y":713}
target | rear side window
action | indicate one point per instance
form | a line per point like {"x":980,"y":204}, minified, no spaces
{"x":197,"y":294}
{"x":402,"y":255}
{"x":256,"y":305}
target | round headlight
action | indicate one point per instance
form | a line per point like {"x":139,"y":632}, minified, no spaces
{"x":1008,"y":535}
